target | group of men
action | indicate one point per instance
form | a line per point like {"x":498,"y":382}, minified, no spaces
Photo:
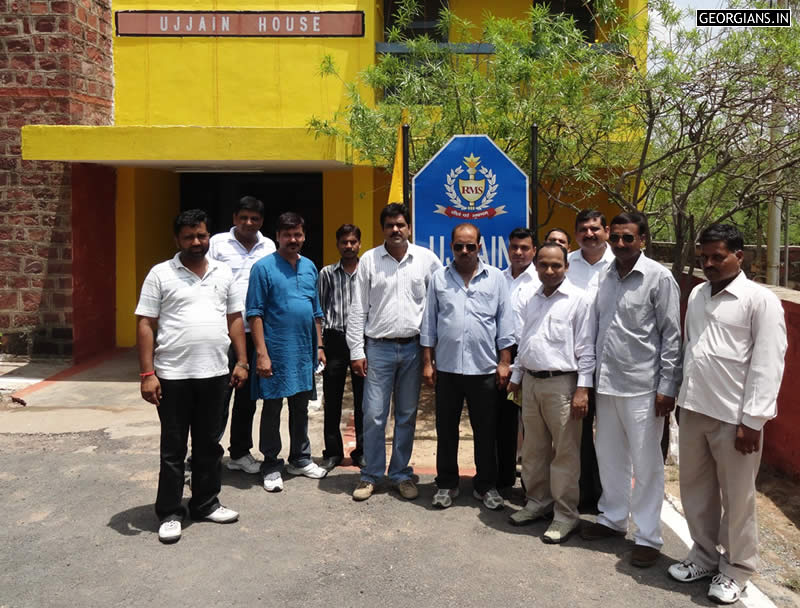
{"x":567,"y":336}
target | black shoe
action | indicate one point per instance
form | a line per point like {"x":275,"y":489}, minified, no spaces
{"x":358,"y":460}
{"x":330,"y":463}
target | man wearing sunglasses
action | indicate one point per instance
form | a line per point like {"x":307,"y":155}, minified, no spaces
{"x":637,"y":377}
{"x":467,"y":320}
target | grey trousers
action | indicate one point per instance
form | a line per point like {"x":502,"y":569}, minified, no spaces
{"x":718,"y":492}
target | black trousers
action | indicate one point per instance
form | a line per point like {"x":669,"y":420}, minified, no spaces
{"x":190,"y":406}
{"x":481,"y":395}
{"x":244,"y":408}
{"x":590,"y":486}
{"x":506,"y":437}
{"x":333,"y":379}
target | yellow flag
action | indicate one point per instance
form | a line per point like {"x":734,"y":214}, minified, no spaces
{"x":396,"y":189}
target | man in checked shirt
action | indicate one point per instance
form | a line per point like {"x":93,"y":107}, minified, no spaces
{"x":336,"y":283}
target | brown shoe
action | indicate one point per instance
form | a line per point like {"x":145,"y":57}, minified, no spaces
{"x":644,"y":557}
{"x":407,"y":489}
{"x":597,"y":531}
{"x":363,"y":491}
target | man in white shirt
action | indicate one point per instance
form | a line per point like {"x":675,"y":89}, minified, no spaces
{"x":734,"y":347}
{"x":383,"y":337}
{"x":239,"y":248}
{"x":585,"y":265}
{"x":522,"y":282}
{"x":189,"y":313}
{"x":638,"y":367}
{"x":555,"y":365}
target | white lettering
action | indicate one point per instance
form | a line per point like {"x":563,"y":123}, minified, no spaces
{"x":201,"y":26}
{"x":189,"y":25}
{"x":262,"y":24}
{"x":163,"y":22}
{"x":483,"y":252}
{"x":303,"y":24}
{"x":503,"y":259}
{"x":177,"y":25}
{"x":214,"y":23}
{"x":226,"y":24}
{"x":315,"y":22}
{"x":289,"y":24}
{"x":276,"y":24}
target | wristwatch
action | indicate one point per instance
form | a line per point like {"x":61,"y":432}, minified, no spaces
{"x":244,"y":365}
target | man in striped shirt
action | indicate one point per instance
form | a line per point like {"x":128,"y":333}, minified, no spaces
{"x":336,"y":283}
{"x":383,"y":337}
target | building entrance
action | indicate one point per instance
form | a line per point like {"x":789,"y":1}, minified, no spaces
{"x":218,"y":193}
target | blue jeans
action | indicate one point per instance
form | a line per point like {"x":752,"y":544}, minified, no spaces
{"x":270,"y":433}
{"x":391,"y":368}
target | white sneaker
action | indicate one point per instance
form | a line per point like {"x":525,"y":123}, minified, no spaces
{"x":491,"y":500}
{"x":273,"y":482}
{"x":724,"y":590}
{"x":222,"y":515}
{"x":687,"y":571}
{"x":312,"y":470}
{"x":444,"y":497}
{"x":246,"y":463}
{"x":169,"y":531}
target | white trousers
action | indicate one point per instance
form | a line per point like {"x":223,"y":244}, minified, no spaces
{"x":628,"y":445}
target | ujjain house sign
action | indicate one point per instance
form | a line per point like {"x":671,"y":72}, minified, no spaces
{"x":289,"y":24}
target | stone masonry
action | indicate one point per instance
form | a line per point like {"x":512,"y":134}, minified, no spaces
{"x":55,"y":69}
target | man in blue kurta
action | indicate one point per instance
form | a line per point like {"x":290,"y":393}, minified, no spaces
{"x":285,"y":318}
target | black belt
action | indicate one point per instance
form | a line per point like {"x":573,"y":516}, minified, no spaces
{"x":547,"y":374}
{"x":398,"y":340}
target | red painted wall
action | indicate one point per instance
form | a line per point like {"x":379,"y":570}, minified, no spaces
{"x":782,"y":435}
{"x":94,"y":260}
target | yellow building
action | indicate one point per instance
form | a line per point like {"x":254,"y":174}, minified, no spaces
{"x":211,"y":101}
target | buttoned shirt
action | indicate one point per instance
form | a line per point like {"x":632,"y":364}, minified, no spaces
{"x":389,"y":296}
{"x":735,"y":344}
{"x":192,"y":336}
{"x":638,"y":332}
{"x":585,"y":275}
{"x":335,"y":294}
{"x":520,"y":290}
{"x":226,"y":248}
{"x":558,"y":334}
{"x":467,"y":324}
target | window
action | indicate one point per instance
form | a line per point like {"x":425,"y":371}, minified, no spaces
{"x":580,"y":11}
{"x":424,"y":24}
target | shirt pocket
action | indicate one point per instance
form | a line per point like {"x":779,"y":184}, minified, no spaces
{"x":727,"y":340}
{"x":556,"y":330}
{"x":417,"y":288}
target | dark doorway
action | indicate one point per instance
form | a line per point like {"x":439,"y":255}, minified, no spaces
{"x":217,"y":194}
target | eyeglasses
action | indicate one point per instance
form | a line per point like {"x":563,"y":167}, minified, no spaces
{"x":471,"y":247}
{"x":628,"y":238}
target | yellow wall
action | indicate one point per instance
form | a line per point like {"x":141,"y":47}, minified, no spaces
{"x":476,"y":11}
{"x":235,"y":81}
{"x":147,"y":202}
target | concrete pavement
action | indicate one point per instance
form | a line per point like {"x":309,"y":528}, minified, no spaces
{"x":78,"y":472}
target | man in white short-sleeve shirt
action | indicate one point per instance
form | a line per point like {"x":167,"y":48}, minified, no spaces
{"x":188,"y":315}
{"x":239,"y":248}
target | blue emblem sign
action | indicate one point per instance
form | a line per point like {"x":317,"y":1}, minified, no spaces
{"x":469,"y":180}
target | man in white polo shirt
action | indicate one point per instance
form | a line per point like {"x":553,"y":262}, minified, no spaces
{"x":239,"y":248}
{"x":188,"y":315}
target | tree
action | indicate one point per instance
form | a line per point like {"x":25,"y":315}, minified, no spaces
{"x":540,"y":71}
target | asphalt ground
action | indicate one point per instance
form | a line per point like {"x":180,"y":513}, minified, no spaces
{"x":78,"y":475}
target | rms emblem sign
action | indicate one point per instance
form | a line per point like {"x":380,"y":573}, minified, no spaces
{"x":469,"y":180}
{"x":472,"y":198}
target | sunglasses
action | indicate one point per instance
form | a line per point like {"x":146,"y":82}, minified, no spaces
{"x":468,"y":246}
{"x":628,"y":238}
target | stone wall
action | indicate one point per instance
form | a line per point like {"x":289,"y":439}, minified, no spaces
{"x":56,"y":69}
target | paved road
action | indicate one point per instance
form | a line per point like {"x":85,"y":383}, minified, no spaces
{"x":79,"y":530}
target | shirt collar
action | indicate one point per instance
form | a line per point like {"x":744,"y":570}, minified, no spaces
{"x":565,"y":289}
{"x":529,"y":272}
{"x":409,"y":252}
{"x":637,"y":267}
{"x":176,"y":263}
{"x":737,"y":287}
{"x":451,"y":267}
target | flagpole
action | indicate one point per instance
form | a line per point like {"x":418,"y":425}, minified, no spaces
{"x":406,"y":176}
{"x":534,"y":189}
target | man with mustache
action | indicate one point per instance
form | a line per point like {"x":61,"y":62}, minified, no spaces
{"x":189,"y":312}
{"x":285,"y":317}
{"x":585,"y":266}
{"x":735,"y":342}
